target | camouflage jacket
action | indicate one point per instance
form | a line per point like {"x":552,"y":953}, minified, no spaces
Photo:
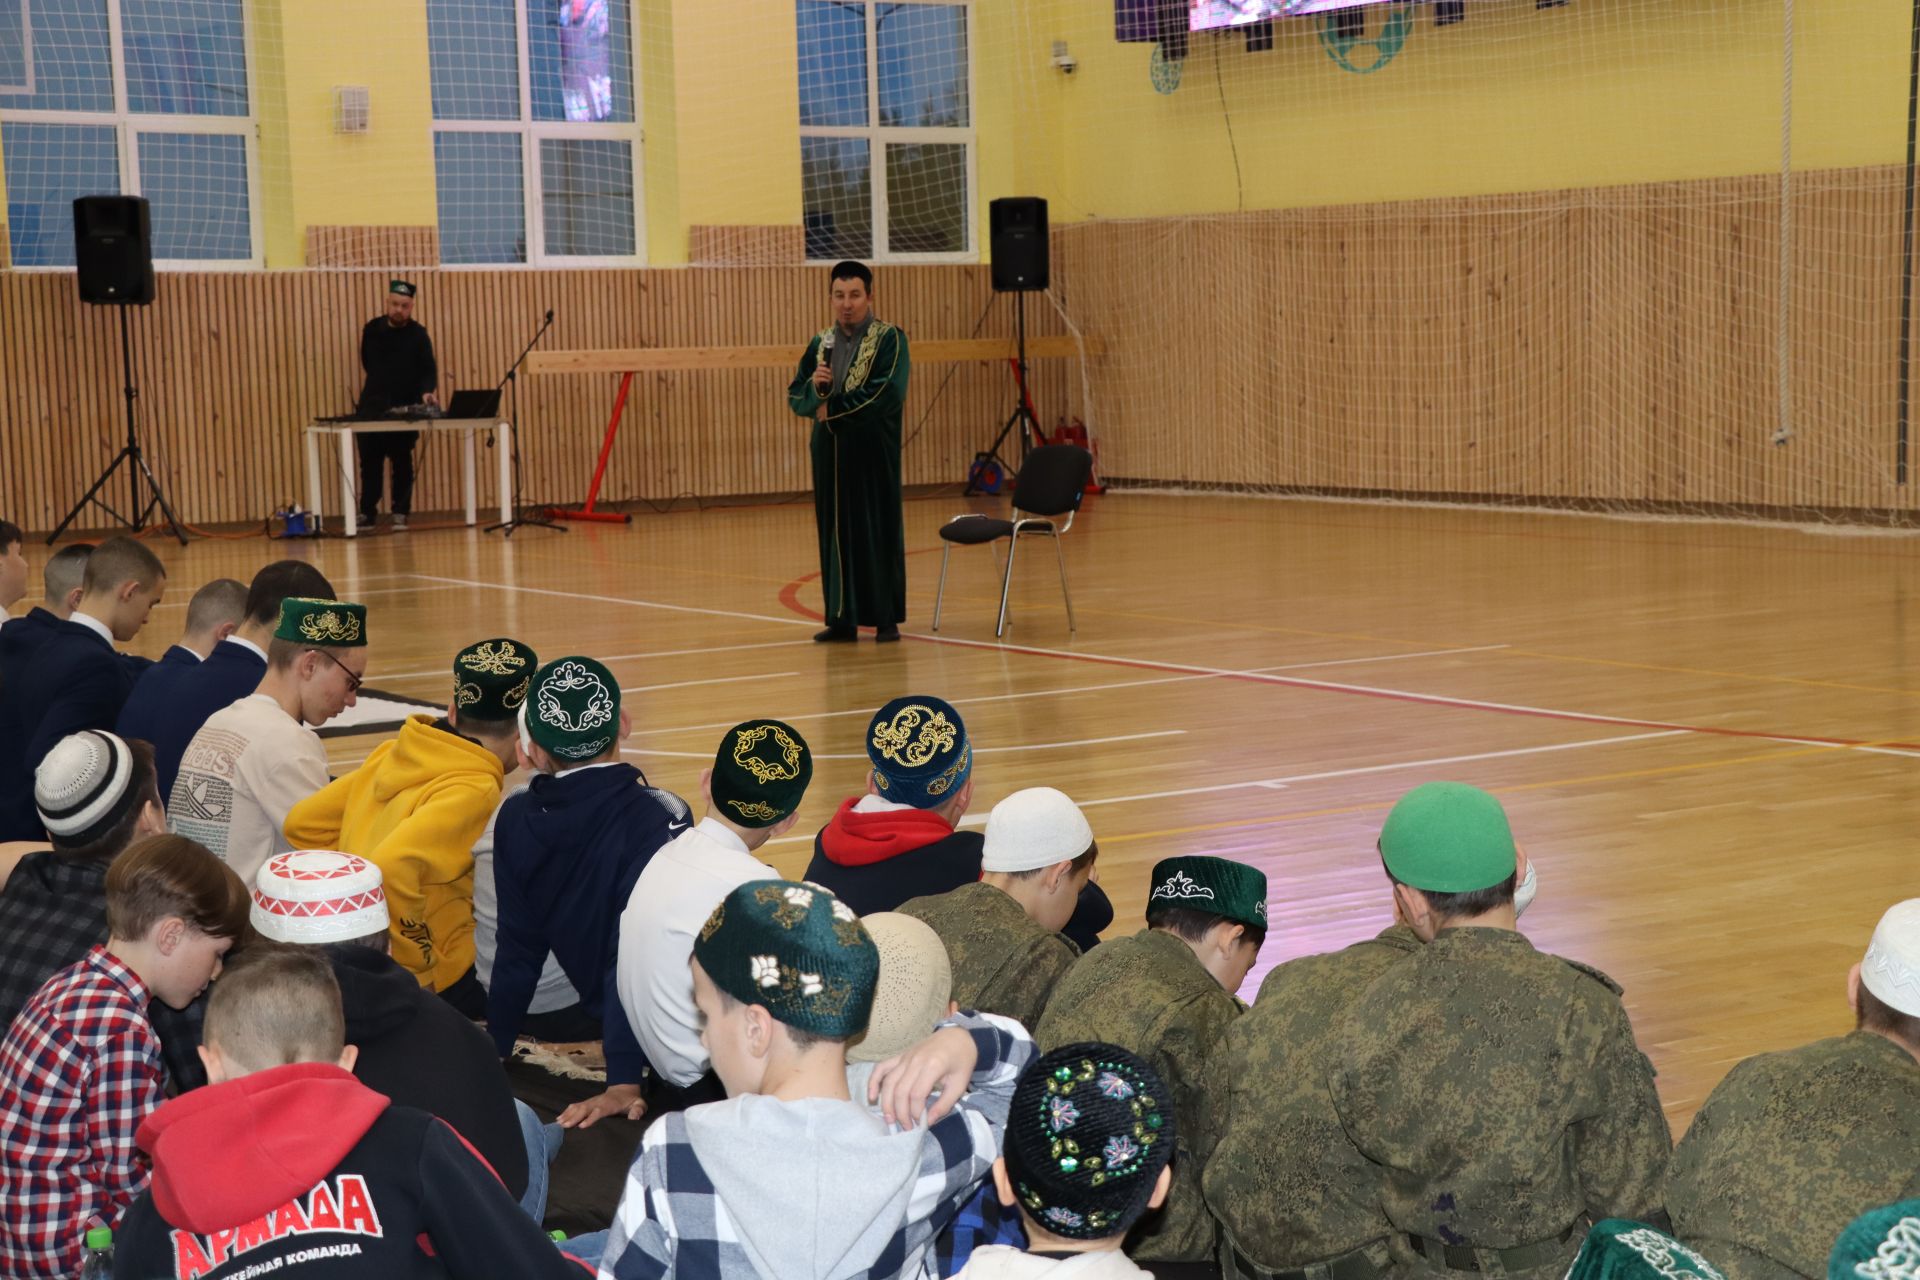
{"x":1151,"y":995}
{"x":1502,"y":1090}
{"x":1790,"y":1147}
{"x":1283,"y":1179}
{"x":1003,"y":961}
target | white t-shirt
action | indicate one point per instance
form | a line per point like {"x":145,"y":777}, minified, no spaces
{"x":250,"y":763}
{"x":672,"y":899}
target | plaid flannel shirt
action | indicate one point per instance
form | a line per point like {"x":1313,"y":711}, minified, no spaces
{"x":79,"y":1071}
{"x":671,"y":1222}
{"x":982,"y":1221}
{"x":52,"y":911}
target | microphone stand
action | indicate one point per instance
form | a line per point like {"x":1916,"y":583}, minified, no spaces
{"x":521,"y":520}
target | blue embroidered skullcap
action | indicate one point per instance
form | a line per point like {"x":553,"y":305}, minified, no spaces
{"x":919,"y":750}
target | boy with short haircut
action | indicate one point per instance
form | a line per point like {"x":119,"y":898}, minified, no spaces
{"x":1167,"y":994}
{"x":252,"y":762}
{"x":1003,"y":932}
{"x":791,"y":1176}
{"x":170,"y":715}
{"x":80,"y":1067}
{"x":753,"y":793}
{"x":13,"y":566}
{"x":331,"y":1179}
{"x":566,"y":854}
{"x":213,"y":613}
{"x":417,"y":805}
{"x":1087,"y":1149}
{"x":76,"y":680}
{"x":95,"y":796}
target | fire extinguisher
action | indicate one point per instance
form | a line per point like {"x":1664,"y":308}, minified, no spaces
{"x":1075,"y":432}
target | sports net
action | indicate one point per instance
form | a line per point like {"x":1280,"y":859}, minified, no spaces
{"x":1611,"y":254}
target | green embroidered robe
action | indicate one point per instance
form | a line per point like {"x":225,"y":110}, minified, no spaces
{"x":856,"y":478}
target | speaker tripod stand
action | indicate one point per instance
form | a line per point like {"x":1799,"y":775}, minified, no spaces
{"x":134,"y":458}
{"x":988,"y":461}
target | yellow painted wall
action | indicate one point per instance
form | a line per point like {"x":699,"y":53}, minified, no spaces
{"x":311,"y":175}
{"x":1513,"y":99}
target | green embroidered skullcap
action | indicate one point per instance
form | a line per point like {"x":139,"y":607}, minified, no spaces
{"x":1620,"y":1250}
{"x":491,"y":679}
{"x":796,"y":949}
{"x":332,"y":624}
{"x":760,"y":773}
{"x":1217,"y":886}
{"x":402,"y":287}
{"x":919,"y":751}
{"x":573,"y":709}
{"x":1880,"y":1244}
{"x":1448,"y":837}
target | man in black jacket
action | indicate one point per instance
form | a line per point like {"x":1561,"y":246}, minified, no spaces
{"x":397,"y":355}
{"x":301,"y":1169}
{"x":415,"y":1048}
{"x":76,"y":680}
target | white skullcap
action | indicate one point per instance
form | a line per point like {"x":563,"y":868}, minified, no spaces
{"x":80,"y":788}
{"x":911,"y":995}
{"x":316,"y":895}
{"x":1892,"y":967}
{"x":1034,"y":828}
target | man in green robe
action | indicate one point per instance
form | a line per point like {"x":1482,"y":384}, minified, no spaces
{"x":852,"y":382}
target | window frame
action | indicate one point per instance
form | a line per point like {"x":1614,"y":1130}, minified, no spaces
{"x":877,"y":137}
{"x":128,"y":125}
{"x":531,"y":133}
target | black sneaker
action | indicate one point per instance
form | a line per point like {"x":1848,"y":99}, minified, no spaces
{"x":836,"y":635}
{"x":887,"y":634}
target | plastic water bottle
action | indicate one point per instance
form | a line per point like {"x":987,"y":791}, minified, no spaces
{"x":99,"y":1263}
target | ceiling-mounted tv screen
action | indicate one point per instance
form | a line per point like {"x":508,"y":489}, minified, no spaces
{"x":1206,"y":15}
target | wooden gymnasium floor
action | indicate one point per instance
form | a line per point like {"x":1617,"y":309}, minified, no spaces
{"x":1706,"y":734}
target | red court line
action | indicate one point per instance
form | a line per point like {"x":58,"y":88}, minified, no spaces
{"x":790,"y":597}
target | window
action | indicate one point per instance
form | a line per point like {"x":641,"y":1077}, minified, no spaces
{"x":171,"y":119}
{"x":886,"y":130}
{"x":536,"y":147}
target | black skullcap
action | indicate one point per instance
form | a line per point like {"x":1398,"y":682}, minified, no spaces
{"x":1090,"y":1130}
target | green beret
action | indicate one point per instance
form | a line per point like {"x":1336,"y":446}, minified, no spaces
{"x":1448,"y":837}
{"x":400,"y":287}
{"x":332,"y":624}
{"x":573,"y":709}
{"x":760,"y":773}
{"x":1880,"y":1244}
{"x":1620,"y":1250}
{"x":491,"y":679}
{"x":796,"y":949}
{"x":1217,"y":886}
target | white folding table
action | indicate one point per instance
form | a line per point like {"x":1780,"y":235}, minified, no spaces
{"x":350,"y":462}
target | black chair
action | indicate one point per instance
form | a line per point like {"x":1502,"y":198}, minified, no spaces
{"x":1051,"y":483}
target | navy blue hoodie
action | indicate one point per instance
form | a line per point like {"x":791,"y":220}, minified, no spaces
{"x":566,"y":852}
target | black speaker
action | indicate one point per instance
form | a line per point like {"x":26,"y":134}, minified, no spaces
{"x":1018,"y":231}
{"x":113,"y":249}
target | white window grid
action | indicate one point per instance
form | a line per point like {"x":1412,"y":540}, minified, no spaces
{"x":532,"y":132}
{"x":128,"y":125}
{"x":878,"y":135}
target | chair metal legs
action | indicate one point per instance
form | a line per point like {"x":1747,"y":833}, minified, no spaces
{"x":1006,"y":581}
{"x":1066,"y":595}
{"x":940,"y":593}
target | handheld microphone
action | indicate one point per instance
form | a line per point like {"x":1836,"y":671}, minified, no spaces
{"x":826,"y":353}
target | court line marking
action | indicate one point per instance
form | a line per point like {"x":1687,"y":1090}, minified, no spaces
{"x":618,"y":657}
{"x":637,"y":604}
{"x":1282,"y":783}
{"x":687,"y":684}
{"x":861,"y":755}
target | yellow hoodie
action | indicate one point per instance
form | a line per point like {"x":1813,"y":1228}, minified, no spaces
{"x":414,"y":809}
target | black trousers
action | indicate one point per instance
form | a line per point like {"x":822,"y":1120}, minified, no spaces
{"x":376,"y":449}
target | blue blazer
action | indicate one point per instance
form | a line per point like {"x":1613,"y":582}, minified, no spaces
{"x":170,"y":712}
{"x":153,"y":692}
{"x":76,"y":681}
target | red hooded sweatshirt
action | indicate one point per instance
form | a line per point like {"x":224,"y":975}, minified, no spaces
{"x":876,"y":861}
{"x":305,"y":1170}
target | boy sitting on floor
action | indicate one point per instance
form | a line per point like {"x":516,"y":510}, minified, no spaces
{"x":1087,"y":1150}
{"x":286,"y":1161}
{"x":791,"y":1176}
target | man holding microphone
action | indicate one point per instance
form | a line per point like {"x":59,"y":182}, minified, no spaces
{"x":852,"y":382}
